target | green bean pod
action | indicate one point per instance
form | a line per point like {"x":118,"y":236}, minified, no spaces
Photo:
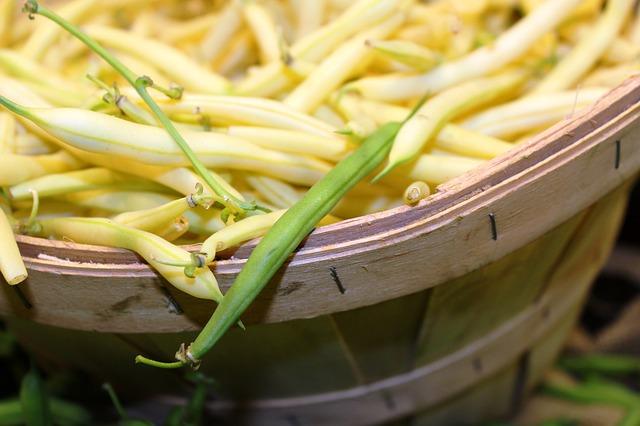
{"x":282,"y":239}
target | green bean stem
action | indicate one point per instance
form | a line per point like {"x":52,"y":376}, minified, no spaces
{"x":282,"y":239}
{"x":141,"y":84}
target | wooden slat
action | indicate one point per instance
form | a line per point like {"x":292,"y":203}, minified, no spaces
{"x":469,"y":307}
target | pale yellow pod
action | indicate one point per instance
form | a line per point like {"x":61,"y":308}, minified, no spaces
{"x":239,"y":54}
{"x":611,"y":77}
{"x":117,"y":201}
{"x":11,"y":263}
{"x":188,"y":31}
{"x":228,"y":23}
{"x":406,"y":52}
{"x":239,"y":232}
{"x":590,"y":48}
{"x":416,"y":192}
{"x":506,"y":48}
{"x":181,"y":179}
{"x":419,"y":130}
{"x":339,"y":66}
{"x":7,"y":134}
{"x":104,"y":134}
{"x":309,"y":15}
{"x":152,"y":248}
{"x":275,"y":192}
{"x":174,"y":230}
{"x":438,"y":169}
{"x":48,"y":32}
{"x":359,"y":205}
{"x":295,"y":142}
{"x":532,"y":112}
{"x":55,"y":85}
{"x":79,"y":180}
{"x":271,"y":80}
{"x":7,"y":14}
{"x":15,"y":168}
{"x":634,"y":30}
{"x":468,"y":143}
{"x":204,"y":222}
{"x":231,"y":110}
{"x":172,"y":62}
{"x":154,"y":219}
{"x":264,"y":30}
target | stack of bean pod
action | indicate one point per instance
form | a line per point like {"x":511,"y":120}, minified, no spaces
{"x":150,"y":124}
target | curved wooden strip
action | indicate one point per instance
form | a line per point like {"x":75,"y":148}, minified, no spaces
{"x":423,"y":387}
{"x":568,"y":167}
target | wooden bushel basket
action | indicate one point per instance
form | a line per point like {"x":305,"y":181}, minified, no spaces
{"x":449,"y":311}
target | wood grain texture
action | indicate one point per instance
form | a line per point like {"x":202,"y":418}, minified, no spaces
{"x":568,"y":167}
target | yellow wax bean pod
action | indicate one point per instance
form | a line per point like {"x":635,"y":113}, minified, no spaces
{"x":26,"y":143}
{"x":293,"y":141}
{"x":419,"y":130}
{"x":188,"y":31}
{"x":339,"y":66}
{"x":264,"y":30}
{"x":359,"y":205}
{"x":584,"y":10}
{"x":152,"y":248}
{"x":452,"y":138}
{"x":239,"y":232}
{"x":100,"y":133}
{"x":239,"y":55}
{"x":634,"y":30}
{"x":611,"y":77}
{"x":170,"y":61}
{"x":204,"y":222}
{"x":48,"y":33}
{"x":359,"y":16}
{"x":80,"y":180}
{"x":590,"y":48}
{"x":7,"y":134}
{"x":157,"y":218}
{"x":174,"y":230}
{"x":406,"y":52}
{"x":7,"y":12}
{"x":181,"y":179}
{"x":415,"y":193}
{"x":249,"y":111}
{"x":15,"y":168}
{"x":532,"y":112}
{"x":328,"y":115}
{"x":468,"y":143}
{"x":11,"y":264}
{"x":228,"y":23}
{"x":54,"y":85}
{"x":363,"y":14}
{"x":275,"y":192}
{"x":47,"y":209}
{"x":438,"y":169}
{"x":117,"y":200}
{"x":309,"y":16}
{"x":507,"y":47}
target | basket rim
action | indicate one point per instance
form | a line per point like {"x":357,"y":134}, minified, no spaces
{"x":571,"y":164}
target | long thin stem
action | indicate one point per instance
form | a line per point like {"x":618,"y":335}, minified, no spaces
{"x":141,"y":84}
{"x":115,"y":400}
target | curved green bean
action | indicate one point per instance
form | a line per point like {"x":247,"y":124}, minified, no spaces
{"x":282,"y":239}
